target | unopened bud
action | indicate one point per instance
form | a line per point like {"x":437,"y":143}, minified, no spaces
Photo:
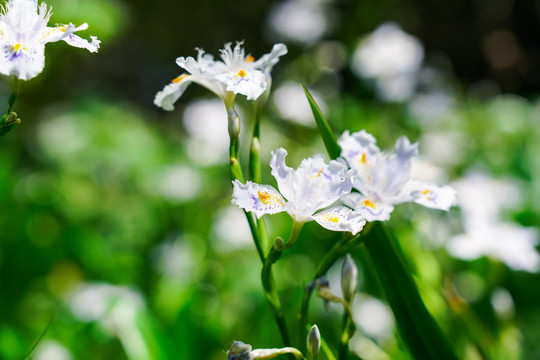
{"x":12,"y":119}
{"x":234,"y":123}
{"x":278,"y":243}
{"x":349,"y":278}
{"x":314,"y":342}
{"x":239,"y":351}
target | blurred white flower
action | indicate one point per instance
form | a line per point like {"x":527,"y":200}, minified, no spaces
{"x":312,"y":187}
{"x":299,"y":21}
{"x":391,"y":57}
{"x":92,"y":302}
{"x":180,"y":183}
{"x":383,"y":180}
{"x":52,"y":350}
{"x":482,"y":198}
{"x":175,"y":259}
{"x":445,"y":147}
{"x":502,"y":303}
{"x":430,"y":106}
{"x":373,"y":317}
{"x":231,"y":230}
{"x":24,"y":33}
{"x":291,"y":103}
{"x":205,"y":122}
{"x":482,"y":201}
{"x":510,"y":243}
{"x":425,"y":170}
{"x":116,"y":309}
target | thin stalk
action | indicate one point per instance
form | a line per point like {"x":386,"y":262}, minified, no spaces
{"x":269,"y":283}
{"x":295,"y":231}
{"x":41,"y":336}
{"x":267,"y":277}
{"x":347,"y":333}
{"x":272,"y":296}
{"x":255,"y":148}
{"x":10,"y":119}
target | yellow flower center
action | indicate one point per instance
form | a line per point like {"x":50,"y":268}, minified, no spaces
{"x":250,"y":59}
{"x":368,"y":203}
{"x":425,"y":192}
{"x":241,"y":73}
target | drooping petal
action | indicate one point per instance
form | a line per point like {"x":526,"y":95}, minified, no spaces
{"x":172,"y":92}
{"x":340,"y":218}
{"x":23,"y":61}
{"x":284,"y":175}
{"x":256,"y":198}
{"x":267,"y":61}
{"x":370,"y":208}
{"x":79,"y":42}
{"x":432,"y":196}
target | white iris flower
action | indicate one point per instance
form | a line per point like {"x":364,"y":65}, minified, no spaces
{"x":313,"y":186}
{"x":383,"y":180}
{"x":24,"y":33}
{"x":235,"y":73}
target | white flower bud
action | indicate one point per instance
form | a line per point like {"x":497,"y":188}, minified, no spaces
{"x":314,"y":342}
{"x":234,"y":122}
{"x":349,"y":279}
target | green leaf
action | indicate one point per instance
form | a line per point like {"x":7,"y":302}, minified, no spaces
{"x":417,"y":327}
{"x":330,"y":142}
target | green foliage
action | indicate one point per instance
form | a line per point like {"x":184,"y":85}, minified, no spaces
{"x":112,"y":226}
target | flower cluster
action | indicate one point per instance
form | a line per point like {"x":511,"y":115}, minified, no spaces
{"x":24,"y":33}
{"x":381,"y":180}
{"x":235,"y":73}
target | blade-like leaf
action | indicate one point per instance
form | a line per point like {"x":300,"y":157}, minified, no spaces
{"x":330,"y":142}
{"x":417,"y":327}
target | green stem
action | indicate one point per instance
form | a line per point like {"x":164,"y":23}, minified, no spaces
{"x":295,"y":231}
{"x":255,"y":235}
{"x":255,"y":149}
{"x":267,"y":277}
{"x":9,"y":120}
{"x":14,"y":94}
{"x":344,"y":340}
{"x":269,"y":283}
{"x":417,"y":327}
{"x":347,"y":333}
{"x":270,"y":290}
{"x":41,"y":336}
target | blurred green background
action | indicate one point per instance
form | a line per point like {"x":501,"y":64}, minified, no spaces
{"x":117,"y":237}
